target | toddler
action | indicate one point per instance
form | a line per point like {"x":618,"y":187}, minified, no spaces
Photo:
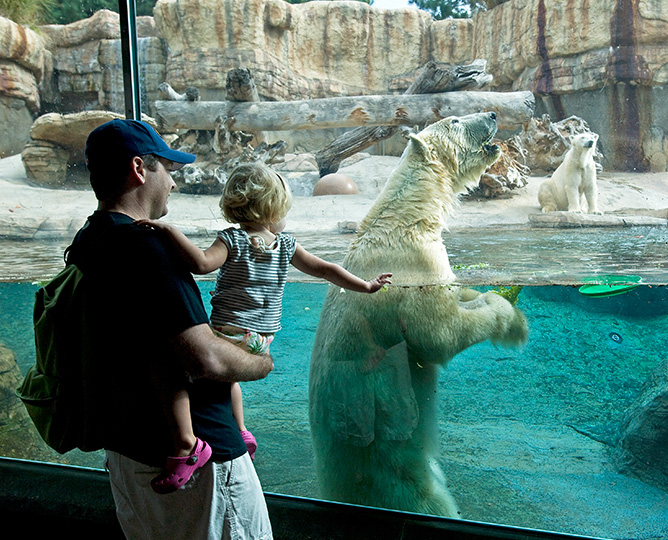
{"x":252,"y":261}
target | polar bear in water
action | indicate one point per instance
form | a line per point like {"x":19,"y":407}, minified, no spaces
{"x":373,"y":376}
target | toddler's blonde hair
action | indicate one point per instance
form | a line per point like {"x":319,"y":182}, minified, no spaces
{"x":255,"y":193}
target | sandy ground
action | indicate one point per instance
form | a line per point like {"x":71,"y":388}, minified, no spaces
{"x":26,"y":208}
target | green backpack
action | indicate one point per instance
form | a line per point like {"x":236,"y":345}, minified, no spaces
{"x":53,"y":389}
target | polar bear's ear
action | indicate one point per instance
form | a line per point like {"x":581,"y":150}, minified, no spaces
{"x":419,"y":145}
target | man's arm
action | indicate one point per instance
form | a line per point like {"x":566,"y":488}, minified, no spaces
{"x":203,"y":355}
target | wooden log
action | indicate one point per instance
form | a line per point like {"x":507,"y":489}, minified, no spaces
{"x":431,"y":79}
{"x":240,"y":86}
{"x":512,"y":108}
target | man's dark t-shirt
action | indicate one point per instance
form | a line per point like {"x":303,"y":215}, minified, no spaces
{"x":138,"y":296}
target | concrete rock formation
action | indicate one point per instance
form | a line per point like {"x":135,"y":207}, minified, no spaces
{"x":601,"y":59}
{"x":24,"y":64}
{"x":18,"y":436}
{"x":69,"y":68}
{"x":642,"y":449}
{"x":87,"y":59}
{"x":311,"y":50}
{"x":56,"y":145}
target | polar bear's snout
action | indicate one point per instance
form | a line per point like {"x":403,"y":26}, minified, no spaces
{"x":480,"y":126}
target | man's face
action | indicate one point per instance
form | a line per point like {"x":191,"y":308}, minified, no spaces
{"x":161,"y":184}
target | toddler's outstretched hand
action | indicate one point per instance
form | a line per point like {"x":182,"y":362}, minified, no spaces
{"x":377,"y":283}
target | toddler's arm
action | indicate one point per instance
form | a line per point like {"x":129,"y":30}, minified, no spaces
{"x":308,"y":263}
{"x":197,"y":261}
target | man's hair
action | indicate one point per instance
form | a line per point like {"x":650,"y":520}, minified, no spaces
{"x":109,"y":182}
{"x":255,"y":193}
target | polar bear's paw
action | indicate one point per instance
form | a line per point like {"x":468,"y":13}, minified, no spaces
{"x":518,"y":332}
{"x":513,"y":331}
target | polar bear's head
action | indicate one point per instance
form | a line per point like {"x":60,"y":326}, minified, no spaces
{"x":459,"y":147}
{"x":584,"y":142}
{"x":438,"y":163}
{"x":409,"y":214}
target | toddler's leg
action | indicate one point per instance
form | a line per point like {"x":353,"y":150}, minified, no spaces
{"x":176,"y":406}
{"x":189,"y":452}
{"x":238,"y":413}
{"x":184,"y":439}
{"x":254,"y":343}
{"x":238,"y":406}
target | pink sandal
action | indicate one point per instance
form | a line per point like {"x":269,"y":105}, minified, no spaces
{"x":250,"y":441}
{"x":178,"y":470}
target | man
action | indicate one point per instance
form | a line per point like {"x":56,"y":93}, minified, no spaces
{"x":147,"y":317}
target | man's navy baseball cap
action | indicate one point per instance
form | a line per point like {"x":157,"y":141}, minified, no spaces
{"x":122,"y":138}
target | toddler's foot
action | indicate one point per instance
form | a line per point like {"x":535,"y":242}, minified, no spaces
{"x":178,"y":470}
{"x":250,"y":441}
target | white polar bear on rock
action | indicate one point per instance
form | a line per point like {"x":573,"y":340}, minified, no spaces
{"x":574,"y":180}
{"x":374,"y":366}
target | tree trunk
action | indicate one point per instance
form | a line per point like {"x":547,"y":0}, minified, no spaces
{"x":512,"y":108}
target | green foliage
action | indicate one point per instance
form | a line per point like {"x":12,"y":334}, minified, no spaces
{"x":510,"y":293}
{"x":67,"y":11}
{"x":450,"y":9}
{"x":25,"y":11}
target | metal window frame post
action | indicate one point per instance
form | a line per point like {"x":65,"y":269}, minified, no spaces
{"x":127,"y":10}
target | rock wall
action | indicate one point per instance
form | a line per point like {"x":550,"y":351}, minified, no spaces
{"x":24,"y":64}
{"x":316,"y":49}
{"x":642,"y":447}
{"x":69,"y":68}
{"x":18,"y":436}
{"x":88,"y":68}
{"x":603,"y":60}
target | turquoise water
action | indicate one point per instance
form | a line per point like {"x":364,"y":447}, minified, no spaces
{"x":303,"y":301}
{"x":301,"y":309}
{"x":528,"y":436}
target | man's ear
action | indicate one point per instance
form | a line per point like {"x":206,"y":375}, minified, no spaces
{"x":138,"y":169}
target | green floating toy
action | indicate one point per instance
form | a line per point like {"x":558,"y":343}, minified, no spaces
{"x":602,"y":286}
